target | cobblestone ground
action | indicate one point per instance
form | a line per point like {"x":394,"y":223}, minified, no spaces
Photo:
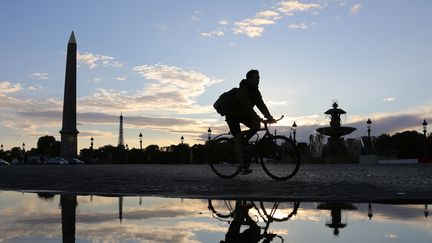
{"x":313,"y":182}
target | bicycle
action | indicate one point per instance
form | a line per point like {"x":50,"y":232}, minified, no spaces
{"x":277,"y":154}
{"x":230,"y":210}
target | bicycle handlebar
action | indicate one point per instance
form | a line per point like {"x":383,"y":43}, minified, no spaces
{"x":268,"y":122}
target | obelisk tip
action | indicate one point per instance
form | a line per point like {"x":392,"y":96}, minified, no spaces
{"x":72,"y":38}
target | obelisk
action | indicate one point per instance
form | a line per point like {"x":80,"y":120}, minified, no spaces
{"x":69,"y":132}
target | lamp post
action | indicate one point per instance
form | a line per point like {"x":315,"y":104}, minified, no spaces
{"x":140,"y":139}
{"x":91,"y":143}
{"x":294,"y":128}
{"x":23,"y":146}
{"x":209,"y":131}
{"x":369,"y":125}
{"x":2,"y":147}
{"x":127,"y":153}
{"x":370,"y":213}
{"x":182,"y":138}
{"x":424,"y":127}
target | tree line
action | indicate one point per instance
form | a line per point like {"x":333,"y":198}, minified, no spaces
{"x":402,"y":145}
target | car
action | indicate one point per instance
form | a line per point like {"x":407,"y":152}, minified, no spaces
{"x":57,"y":161}
{"x":4,"y":162}
{"x":76,"y":161}
{"x":33,"y":160}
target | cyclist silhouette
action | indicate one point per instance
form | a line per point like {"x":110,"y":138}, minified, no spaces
{"x":241,"y":217}
{"x":241,"y":111}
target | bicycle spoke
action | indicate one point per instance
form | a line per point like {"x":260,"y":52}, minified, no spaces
{"x":279,"y":157}
{"x":222,"y":159}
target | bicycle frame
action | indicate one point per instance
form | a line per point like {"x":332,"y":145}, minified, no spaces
{"x":258,"y":141}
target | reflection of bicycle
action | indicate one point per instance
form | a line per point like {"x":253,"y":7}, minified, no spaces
{"x":277,"y":154}
{"x":247,"y":214}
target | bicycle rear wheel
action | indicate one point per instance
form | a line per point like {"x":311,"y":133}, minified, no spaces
{"x":279,"y":157}
{"x":222,"y":158}
{"x":279,"y":211}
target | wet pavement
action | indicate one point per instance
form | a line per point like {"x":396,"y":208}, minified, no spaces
{"x":313,"y":182}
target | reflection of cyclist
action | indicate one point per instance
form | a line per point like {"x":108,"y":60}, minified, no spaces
{"x":248,"y":96}
{"x":241,"y":217}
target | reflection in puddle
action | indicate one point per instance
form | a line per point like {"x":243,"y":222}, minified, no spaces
{"x":45,"y":217}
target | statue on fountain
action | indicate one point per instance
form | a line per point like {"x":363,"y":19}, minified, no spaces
{"x":335,"y":150}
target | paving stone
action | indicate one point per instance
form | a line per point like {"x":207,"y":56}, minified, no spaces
{"x":313,"y":182}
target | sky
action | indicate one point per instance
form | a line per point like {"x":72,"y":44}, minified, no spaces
{"x":162,"y":64}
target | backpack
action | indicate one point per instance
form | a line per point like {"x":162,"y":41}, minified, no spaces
{"x":225,"y":100}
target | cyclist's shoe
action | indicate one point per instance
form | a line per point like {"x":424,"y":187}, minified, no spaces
{"x":245,"y":171}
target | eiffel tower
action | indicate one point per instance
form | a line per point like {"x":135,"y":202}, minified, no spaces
{"x":121,"y":138}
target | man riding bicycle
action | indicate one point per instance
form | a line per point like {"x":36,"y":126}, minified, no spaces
{"x":241,"y":111}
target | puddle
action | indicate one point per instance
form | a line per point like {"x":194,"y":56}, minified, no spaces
{"x":46,"y":217}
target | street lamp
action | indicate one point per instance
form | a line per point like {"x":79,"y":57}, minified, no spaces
{"x":209,"y":131}
{"x":370,"y":213}
{"x":2,"y":147}
{"x":182,"y":138}
{"x":294,"y":128}
{"x":140,"y":138}
{"x":23,"y":146}
{"x":127,"y":153}
{"x":424,"y":127}
{"x":369,"y":125}
{"x":91,"y":143}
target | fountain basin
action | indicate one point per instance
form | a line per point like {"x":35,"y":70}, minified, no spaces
{"x":336,"y":131}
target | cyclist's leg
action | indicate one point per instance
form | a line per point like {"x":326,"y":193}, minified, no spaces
{"x":254,"y":124}
{"x":234,"y":126}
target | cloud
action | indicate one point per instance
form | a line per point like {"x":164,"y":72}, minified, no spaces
{"x":8,"y":87}
{"x":268,"y":14}
{"x":35,"y":87}
{"x":97,"y":80}
{"x":121,"y":78}
{"x":40,"y":76}
{"x":214,"y":33}
{"x":254,"y":27}
{"x":291,"y":7}
{"x":389,"y":99}
{"x":185,"y":84}
{"x":277,"y":103}
{"x":302,"y":26}
{"x":355,"y":9}
{"x":196,"y":15}
{"x":96,"y":60}
{"x":161,"y":27}
{"x":223,"y":22}
{"x":390,"y":235}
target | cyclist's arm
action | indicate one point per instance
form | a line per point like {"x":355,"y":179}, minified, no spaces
{"x":263,"y":108}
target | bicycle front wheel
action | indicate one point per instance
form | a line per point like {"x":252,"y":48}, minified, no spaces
{"x":279,"y":157}
{"x":222,"y":158}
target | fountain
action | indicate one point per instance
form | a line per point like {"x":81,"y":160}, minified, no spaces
{"x":335,"y":150}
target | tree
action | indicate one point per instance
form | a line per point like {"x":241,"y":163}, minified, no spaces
{"x":46,"y":145}
{"x":409,"y":144}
